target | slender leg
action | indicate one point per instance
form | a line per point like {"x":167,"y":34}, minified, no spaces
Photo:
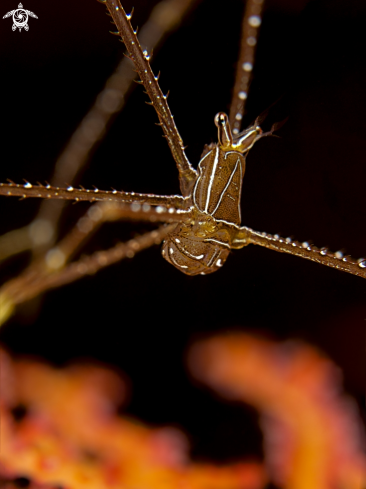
{"x":305,"y":250}
{"x":87,"y":225}
{"x":251,"y":23}
{"x":56,"y":259}
{"x":187,"y":175}
{"x":70,"y":193}
{"x":100,"y":213}
{"x":35,"y":282}
{"x":41,"y":233}
{"x":163,"y":19}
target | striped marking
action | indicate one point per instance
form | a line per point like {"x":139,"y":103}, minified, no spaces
{"x":227,"y":185}
{"x":228,"y":222}
{"x":171,"y":251}
{"x":198,"y":179}
{"x":199,"y":257}
{"x":212,"y":177}
{"x":212,"y":240}
{"x":213,"y":258}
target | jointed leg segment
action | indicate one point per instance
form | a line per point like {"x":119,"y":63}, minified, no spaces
{"x":187,"y":175}
{"x":52,"y":269}
{"x":70,"y":193}
{"x":101,"y":213}
{"x":115,"y":205}
{"x":250,"y":28}
{"x":38,"y":278}
{"x":305,"y":250}
{"x":42,"y":232}
{"x":164,"y":18}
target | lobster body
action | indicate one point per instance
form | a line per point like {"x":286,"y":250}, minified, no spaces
{"x":202,"y":244}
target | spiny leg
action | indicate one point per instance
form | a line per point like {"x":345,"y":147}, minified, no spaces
{"x":38,"y":231}
{"x":56,"y":258}
{"x":187,"y":175}
{"x":74,"y":238}
{"x":164,"y":18}
{"x":70,"y":193}
{"x":250,"y":28}
{"x":88,"y":224}
{"x":305,"y":250}
{"x":100,"y":213}
{"x":41,"y":233}
{"x":33,"y":284}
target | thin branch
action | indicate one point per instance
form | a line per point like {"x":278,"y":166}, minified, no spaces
{"x":140,"y":58}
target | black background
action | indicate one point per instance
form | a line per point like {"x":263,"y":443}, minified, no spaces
{"x":141,"y":314}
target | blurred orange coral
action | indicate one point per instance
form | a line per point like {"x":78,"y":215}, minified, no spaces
{"x":312,"y":434}
{"x":70,"y":435}
{"x":60,"y":426}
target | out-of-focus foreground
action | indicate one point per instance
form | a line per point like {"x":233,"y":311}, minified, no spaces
{"x":60,"y":427}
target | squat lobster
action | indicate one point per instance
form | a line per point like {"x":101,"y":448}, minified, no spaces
{"x":207,"y":216}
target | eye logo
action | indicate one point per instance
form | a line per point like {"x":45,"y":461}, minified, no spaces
{"x":20,"y":17}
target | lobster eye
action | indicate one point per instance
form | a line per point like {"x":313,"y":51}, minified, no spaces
{"x":224,"y":132}
{"x":221,"y":119}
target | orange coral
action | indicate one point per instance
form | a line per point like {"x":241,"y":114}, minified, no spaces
{"x":71,"y":436}
{"x":312,"y":434}
{"x":68,"y":432}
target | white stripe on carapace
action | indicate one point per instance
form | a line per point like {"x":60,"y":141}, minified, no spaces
{"x":240,"y":183}
{"x":171,"y":251}
{"x":213,"y":257}
{"x":198,"y":179}
{"x":212,"y":240}
{"x":212,"y":177}
{"x":227,"y":222}
{"x":185,"y":252}
{"x":226,"y":186}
